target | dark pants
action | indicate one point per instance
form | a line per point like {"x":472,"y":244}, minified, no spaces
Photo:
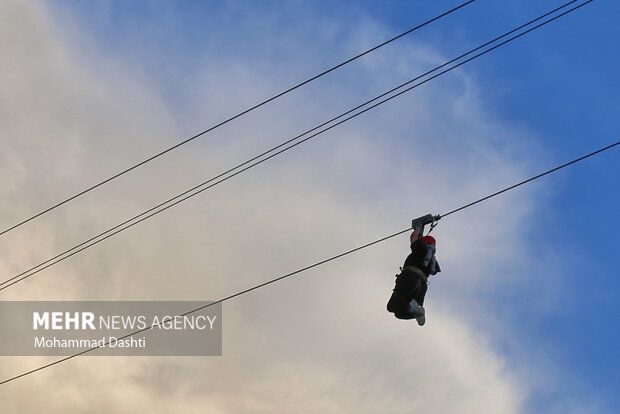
{"x":423,"y":288}
{"x":410,"y":284}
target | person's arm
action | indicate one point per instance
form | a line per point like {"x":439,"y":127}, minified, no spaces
{"x":415,"y":235}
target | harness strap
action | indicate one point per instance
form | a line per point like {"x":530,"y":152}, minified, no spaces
{"x":421,"y":278}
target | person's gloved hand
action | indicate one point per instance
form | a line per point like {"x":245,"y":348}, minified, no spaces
{"x":418,"y":224}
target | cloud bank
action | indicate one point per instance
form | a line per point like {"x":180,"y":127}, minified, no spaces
{"x":320,"y":342}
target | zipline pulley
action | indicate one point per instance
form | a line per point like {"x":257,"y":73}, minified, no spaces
{"x":420,"y":222}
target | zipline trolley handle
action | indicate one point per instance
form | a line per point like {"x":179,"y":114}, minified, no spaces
{"x":420,"y":222}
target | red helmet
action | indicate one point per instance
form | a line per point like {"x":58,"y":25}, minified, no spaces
{"x":429,"y":240}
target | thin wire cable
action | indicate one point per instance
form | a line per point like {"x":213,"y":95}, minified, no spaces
{"x":243,"y":292}
{"x":183,"y":196}
{"x":316,"y":264}
{"x":531,"y":179}
{"x":133,"y":167}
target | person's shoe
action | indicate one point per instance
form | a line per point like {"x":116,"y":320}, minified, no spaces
{"x":415,"y":309}
{"x":421,"y":318}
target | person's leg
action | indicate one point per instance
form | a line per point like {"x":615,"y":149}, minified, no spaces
{"x":405,"y":289}
{"x":397,"y":304}
{"x":407,"y":283}
{"x":415,"y":309}
{"x":421,"y":317}
{"x":422,"y":292}
{"x":405,"y":300}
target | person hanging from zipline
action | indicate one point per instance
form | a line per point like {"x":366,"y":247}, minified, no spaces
{"x":407,"y":298}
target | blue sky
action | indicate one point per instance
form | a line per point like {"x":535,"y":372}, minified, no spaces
{"x":544,"y":304}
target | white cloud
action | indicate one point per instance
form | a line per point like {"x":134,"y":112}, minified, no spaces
{"x":319,"y":342}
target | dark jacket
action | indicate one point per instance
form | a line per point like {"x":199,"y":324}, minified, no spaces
{"x":422,"y":258}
